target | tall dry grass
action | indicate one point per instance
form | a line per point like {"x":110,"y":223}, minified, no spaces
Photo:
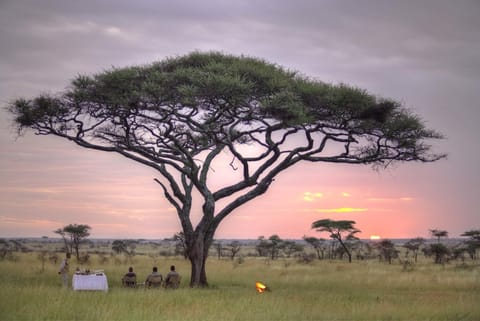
{"x":323,"y":290}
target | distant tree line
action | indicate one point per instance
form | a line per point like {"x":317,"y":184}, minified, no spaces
{"x":341,"y":244}
{"x":344,"y":243}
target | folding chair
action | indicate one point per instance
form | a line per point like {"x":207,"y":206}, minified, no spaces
{"x":154,"y":281}
{"x":129,"y":281}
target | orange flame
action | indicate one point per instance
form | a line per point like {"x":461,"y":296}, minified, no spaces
{"x":260,"y":287}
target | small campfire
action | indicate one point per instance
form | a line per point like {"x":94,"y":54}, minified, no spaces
{"x":260,"y":287}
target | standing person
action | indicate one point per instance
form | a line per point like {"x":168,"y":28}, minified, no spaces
{"x":173,"y":278}
{"x":63,"y":271}
{"x":154,"y":279}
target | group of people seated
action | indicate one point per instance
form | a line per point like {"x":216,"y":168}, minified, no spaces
{"x":154,"y":280}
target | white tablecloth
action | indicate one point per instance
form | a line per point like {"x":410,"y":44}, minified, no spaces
{"x":90,"y":282}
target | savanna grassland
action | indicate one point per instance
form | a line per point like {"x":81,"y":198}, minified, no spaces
{"x":321,"y":290}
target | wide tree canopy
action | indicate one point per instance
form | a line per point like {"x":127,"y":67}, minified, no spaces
{"x":179,"y":115}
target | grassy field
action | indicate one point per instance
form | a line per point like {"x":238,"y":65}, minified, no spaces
{"x":323,"y":290}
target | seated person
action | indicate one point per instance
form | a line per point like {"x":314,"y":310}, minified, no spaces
{"x":154,"y":279}
{"x":172,"y":280}
{"x":130,"y":278}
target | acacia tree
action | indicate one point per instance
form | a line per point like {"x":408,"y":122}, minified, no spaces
{"x":290,"y":247}
{"x":262,"y":247}
{"x":61,"y":232}
{"x":180,"y":244}
{"x":317,"y":244}
{"x":438,"y":234}
{"x":184,"y":115}
{"x":119,"y":246}
{"x":387,"y":250}
{"x":440,"y":250}
{"x":269,"y":247}
{"x":341,"y":231}
{"x":414,"y":245}
{"x":77,"y":233}
{"x":234,"y":247}
{"x":473,"y":243}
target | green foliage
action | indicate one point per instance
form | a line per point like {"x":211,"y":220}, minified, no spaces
{"x":225,"y":87}
{"x":387,"y":250}
{"x":473,"y":243}
{"x":318,"y":245}
{"x":472,"y":234}
{"x":274,"y":247}
{"x":119,"y":246}
{"x":414,"y":245}
{"x":440,"y":252}
{"x":43,"y":108}
{"x":77,"y":231}
{"x":439,"y":234}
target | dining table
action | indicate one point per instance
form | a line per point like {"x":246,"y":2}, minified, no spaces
{"x":90,"y":282}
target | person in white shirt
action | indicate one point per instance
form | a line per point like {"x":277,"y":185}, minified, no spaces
{"x":63,"y":271}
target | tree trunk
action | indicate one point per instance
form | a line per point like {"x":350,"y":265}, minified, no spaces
{"x":77,"y":253}
{"x":198,"y":246}
{"x":67,"y":250}
{"x":346,"y":250}
{"x":198,"y":276}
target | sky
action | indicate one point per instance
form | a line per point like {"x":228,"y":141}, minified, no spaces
{"x":424,"y":53}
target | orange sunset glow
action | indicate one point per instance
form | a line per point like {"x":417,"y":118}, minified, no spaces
{"x":119,"y":199}
{"x":125,"y":196}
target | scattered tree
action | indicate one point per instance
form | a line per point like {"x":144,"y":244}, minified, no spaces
{"x":362,"y":249}
{"x":291,"y":247}
{"x":438,"y":234}
{"x":340,"y":231}
{"x":181,"y":116}
{"x":234,"y":247}
{"x":274,"y":245}
{"x":9,"y":247}
{"x":414,"y":245}
{"x":131,"y":248}
{"x":6,"y":249}
{"x":440,"y":252}
{"x":119,"y":246}
{"x":473,"y":243}
{"x":61,"y":232}
{"x":317,"y":244}
{"x":126,"y":247}
{"x":269,"y":247}
{"x":180,"y":244}
{"x":76,"y":233}
{"x":218,"y":247}
{"x":472,"y":234}
{"x":262,"y":246}
{"x":43,"y":256}
{"x":387,"y":250}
